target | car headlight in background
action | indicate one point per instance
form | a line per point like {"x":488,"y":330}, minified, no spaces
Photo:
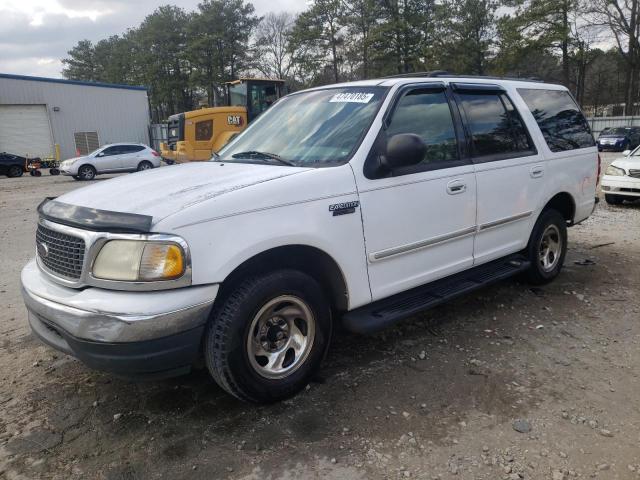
{"x":611,"y":170}
{"x":139,"y":261}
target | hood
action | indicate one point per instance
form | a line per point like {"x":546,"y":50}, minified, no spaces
{"x":610,"y":136}
{"x":74,"y":159}
{"x":164,"y":191}
{"x":627,"y":162}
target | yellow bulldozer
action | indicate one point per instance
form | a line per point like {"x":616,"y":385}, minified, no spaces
{"x":196,"y":135}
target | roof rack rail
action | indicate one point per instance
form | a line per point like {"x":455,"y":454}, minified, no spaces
{"x":444,"y":73}
{"x":433,"y":73}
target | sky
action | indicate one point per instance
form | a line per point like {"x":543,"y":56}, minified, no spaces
{"x":36,"y":34}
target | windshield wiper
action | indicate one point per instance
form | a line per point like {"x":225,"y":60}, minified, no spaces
{"x":264,"y":155}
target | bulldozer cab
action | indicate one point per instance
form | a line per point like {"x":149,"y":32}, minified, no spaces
{"x":256,"y":95}
{"x":195,"y":135}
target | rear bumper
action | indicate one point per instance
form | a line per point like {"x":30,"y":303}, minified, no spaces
{"x":132,"y":334}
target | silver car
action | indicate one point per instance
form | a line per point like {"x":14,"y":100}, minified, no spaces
{"x":112,"y":158}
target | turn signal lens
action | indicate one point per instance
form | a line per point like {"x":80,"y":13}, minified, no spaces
{"x":161,"y":262}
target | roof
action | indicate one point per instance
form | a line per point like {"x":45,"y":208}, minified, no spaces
{"x":411,"y":78}
{"x":71,"y":82}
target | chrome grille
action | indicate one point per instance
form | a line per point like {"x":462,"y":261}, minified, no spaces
{"x":64,"y":253}
{"x":634,"y":173}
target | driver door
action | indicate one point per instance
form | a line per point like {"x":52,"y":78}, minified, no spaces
{"x":108,"y":159}
{"x":419,"y":222}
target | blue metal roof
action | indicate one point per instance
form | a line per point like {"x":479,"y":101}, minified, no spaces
{"x":71,"y":82}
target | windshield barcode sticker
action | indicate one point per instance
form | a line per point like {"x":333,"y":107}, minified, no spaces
{"x":355,"y":97}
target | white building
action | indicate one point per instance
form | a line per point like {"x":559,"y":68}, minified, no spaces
{"x":39,"y":116}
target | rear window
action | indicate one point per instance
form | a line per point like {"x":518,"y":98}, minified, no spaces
{"x":559,"y":118}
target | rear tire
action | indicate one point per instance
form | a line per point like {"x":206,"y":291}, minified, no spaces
{"x":614,"y":199}
{"x":547,"y":247}
{"x":14,"y":171}
{"x":86,"y":172}
{"x":145,"y":165}
{"x":268,"y":335}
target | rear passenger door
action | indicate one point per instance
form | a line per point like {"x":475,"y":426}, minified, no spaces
{"x":129,"y":157}
{"x":418,"y":221}
{"x":510,"y":172}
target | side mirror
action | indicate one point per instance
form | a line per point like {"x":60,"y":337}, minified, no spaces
{"x":404,"y":150}
{"x":101,"y":154}
{"x":626,"y":153}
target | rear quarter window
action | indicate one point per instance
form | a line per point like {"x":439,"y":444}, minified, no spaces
{"x":559,"y":118}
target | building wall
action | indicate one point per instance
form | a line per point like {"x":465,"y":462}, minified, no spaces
{"x":117,"y":114}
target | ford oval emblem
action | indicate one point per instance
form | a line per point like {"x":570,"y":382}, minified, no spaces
{"x":43,"y":249}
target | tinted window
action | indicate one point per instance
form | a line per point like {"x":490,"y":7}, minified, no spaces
{"x":559,"y":118}
{"x":494,"y":125}
{"x":134,"y":148}
{"x":426,"y":113}
{"x":115,"y":150}
{"x":204,"y":130}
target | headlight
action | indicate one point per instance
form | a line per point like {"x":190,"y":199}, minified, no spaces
{"x":611,"y":170}
{"x":139,"y":261}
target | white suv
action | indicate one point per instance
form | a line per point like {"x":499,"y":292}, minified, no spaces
{"x":361,"y":203}
{"x":112,"y":158}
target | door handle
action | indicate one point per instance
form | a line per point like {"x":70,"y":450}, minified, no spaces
{"x":536,"y":171}
{"x":455,"y":187}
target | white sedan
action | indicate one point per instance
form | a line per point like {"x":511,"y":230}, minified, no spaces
{"x":112,"y":158}
{"x":621,"y":180}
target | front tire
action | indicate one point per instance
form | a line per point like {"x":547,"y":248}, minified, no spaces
{"x":14,"y":171}
{"x":87,"y":172}
{"x":268,"y":335}
{"x":547,"y":247}
{"x":614,"y":199}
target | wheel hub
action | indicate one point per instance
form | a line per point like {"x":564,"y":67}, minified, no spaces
{"x":280,"y":337}
{"x":550,"y":248}
{"x":274,"y":334}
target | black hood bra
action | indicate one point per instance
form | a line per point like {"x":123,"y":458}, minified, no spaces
{"x":94,"y":219}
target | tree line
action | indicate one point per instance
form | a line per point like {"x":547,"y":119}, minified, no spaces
{"x":184,"y":57}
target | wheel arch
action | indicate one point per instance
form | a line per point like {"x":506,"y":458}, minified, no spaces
{"x":88,"y":165}
{"x":564,"y":203}
{"x":311,"y":260}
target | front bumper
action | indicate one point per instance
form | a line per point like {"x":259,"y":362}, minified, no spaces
{"x":612,"y":147}
{"x":132,"y":334}
{"x":620,"y":185}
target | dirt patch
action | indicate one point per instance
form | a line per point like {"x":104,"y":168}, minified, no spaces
{"x":435,"y":397}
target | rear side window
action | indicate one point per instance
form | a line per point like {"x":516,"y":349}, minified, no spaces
{"x":496,"y":129}
{"x":134,"y":148}
{"x":559,"y":118}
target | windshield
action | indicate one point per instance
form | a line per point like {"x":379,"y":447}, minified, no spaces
{"x":311,"y":129}
{"x":95,"y":151}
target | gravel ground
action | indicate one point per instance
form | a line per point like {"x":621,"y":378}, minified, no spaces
{"x":512,"y":382}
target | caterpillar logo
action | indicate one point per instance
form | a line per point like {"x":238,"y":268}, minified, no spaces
{"x":343,"y":208}
{"x":234,"y":120}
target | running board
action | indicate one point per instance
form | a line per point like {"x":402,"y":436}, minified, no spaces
{"x":383,"y":313}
